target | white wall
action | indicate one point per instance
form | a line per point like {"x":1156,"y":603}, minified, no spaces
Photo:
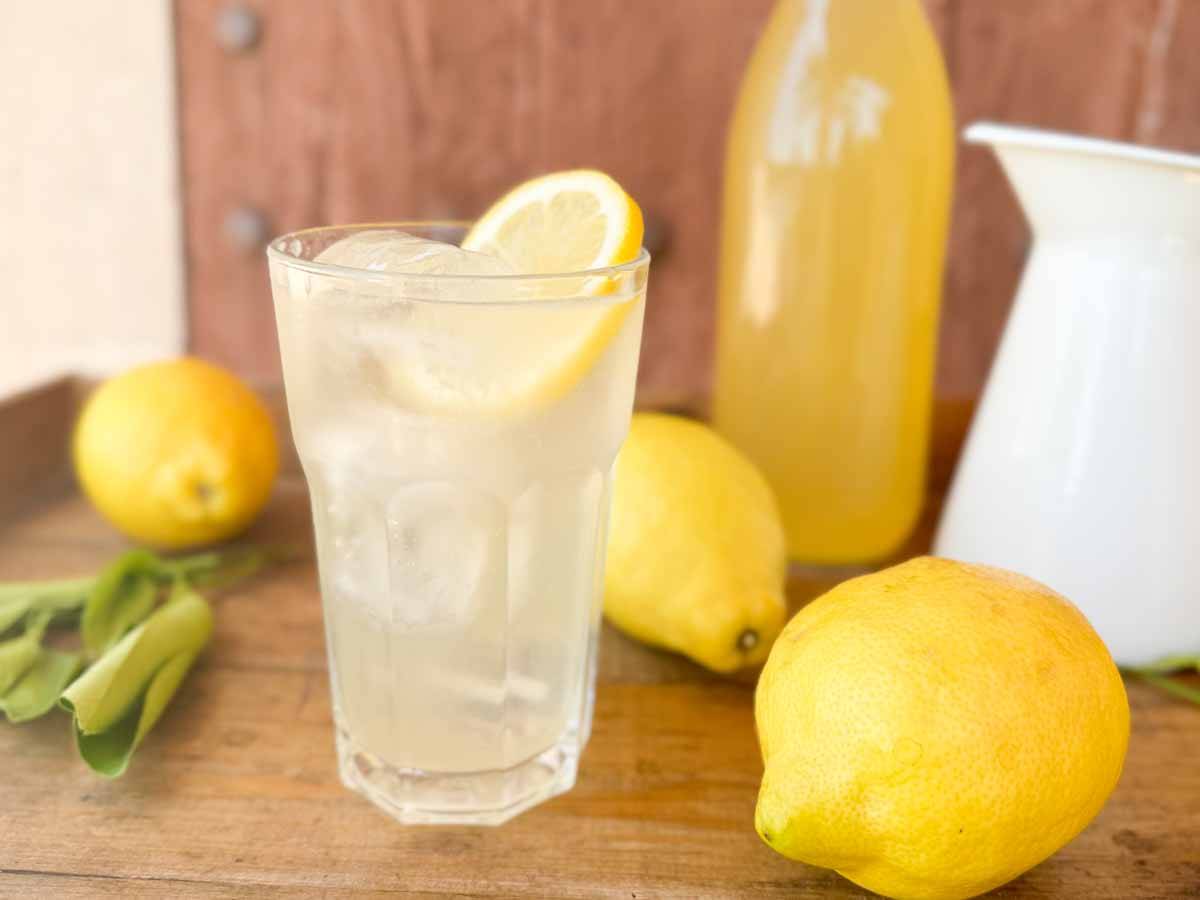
{"x":91,"y":259}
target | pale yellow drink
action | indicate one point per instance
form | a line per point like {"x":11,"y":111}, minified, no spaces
{"x":457,"y":432}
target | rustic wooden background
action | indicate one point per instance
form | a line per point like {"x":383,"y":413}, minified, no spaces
{"x":376,"y":109}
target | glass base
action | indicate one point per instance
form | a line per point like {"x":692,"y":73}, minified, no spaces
{"x":419,"y":797}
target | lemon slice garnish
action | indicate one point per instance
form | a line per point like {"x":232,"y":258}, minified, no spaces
{"x":561,"y":223}
{"x":565,"y":222}
{"x":499,"y":346}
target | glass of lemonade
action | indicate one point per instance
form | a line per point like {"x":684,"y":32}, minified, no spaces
{"x":457,"y":425}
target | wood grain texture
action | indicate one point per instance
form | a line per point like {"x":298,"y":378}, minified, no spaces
{"x":372,"y":109}
{"x":35,"y":458}
{"x":1167,"y":112}
{"x":235,"y":794}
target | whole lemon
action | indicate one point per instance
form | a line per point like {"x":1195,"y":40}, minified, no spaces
{"x":696,"y":554}
{"x":176,"y":453}
{"x":935,"y":729}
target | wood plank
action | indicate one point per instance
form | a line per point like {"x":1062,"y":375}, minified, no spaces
{"x":65,"y":886}
{"x":235,"y":793}
{"x":369,"y":110}
{"x":663,"y":807}
{"x":657,"y":120}
{"x":1166,"y":109}
{"x":218,"y":773}
{"x":218,"y":795}
{"x":35,"y":445}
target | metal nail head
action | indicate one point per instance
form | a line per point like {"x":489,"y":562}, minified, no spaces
{"x":247,"y":228}
{"x":656,"y":237}
{"x":238,"y":28}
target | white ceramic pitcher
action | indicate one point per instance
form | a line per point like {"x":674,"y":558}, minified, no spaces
{"x":1082,"y":468}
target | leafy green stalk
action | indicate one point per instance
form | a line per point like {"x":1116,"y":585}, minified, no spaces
{"x":1171,"y":686}
{"x":233,"y":566}
{"x":120,"y":596}
{"x":13,"y":611}
{"x":139,"y":655}
{"x":18,"y":599}
{"x":1169,"y":664}
{"x":63,"y":587}
{"x":1157,"y":674}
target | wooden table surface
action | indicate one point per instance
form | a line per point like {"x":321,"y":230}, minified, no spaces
{"x":236,"y":793}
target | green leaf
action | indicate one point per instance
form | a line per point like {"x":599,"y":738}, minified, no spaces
{"x":1158,"y":674}
{"x":231,"y":566}
{"x":193,"y":568}
{"x":56,"y":588}
{"x":18,"y":599}
{"x":117,"y":680}
{"x":18,"y":654}
{"x":12,"y":611}
{"x":109,"y":752}
{"x":117,"y":701}
{"x":1172,"y":687}
{"x":132,"y":602}
{"x":1170,"y":664}
{"x":39,"y":688}
{"x":122,"y":596}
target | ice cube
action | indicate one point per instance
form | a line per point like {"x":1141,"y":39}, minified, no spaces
{"x":478,"y":346}
{"x":395,"y":251}
{"x":365,"y":338}
{"x":350,"y":534}
{"x":411,"y":354}
{"x":446,"y":549}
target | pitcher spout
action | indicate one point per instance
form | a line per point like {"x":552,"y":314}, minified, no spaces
{"x":1070,"y":185}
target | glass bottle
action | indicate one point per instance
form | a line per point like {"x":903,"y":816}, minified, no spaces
{"x":837,"y":195}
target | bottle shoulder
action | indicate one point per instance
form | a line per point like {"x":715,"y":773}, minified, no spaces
{"x":828,"y":77}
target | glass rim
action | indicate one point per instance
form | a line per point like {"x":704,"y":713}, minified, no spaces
{"x":276,"y":253}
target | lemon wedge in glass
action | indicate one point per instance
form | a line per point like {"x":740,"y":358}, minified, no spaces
{"x":566,"y":222}
{"x":561,"y":223}
{"x":517,"y":316}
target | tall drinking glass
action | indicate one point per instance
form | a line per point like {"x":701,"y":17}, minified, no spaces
{"x":457,"y":433}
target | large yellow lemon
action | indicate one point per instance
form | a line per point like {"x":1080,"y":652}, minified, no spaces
{"x":696,"y":560}
{"x":176,"y":453}
{"x":935,"y":729}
